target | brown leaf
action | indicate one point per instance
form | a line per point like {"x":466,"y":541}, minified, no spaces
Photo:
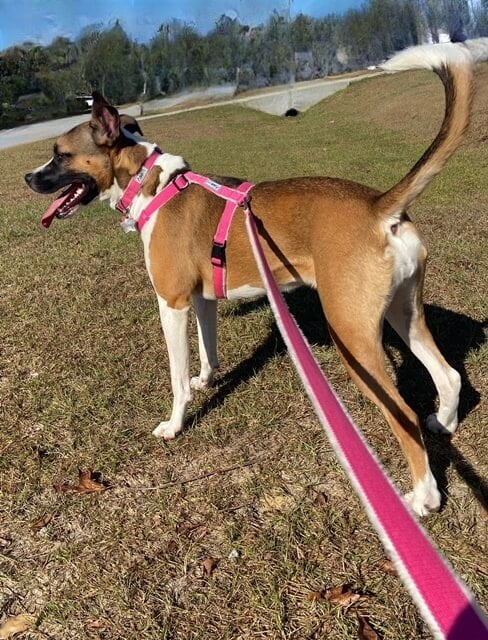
{"x":195,"y":531}
{"x":342,"y":596}
{"x":366,"y":631}
{"x":96,"y":625}
{"x":88,"y":482}
{"x":14,"y":625}
{"x":172,"y":546}
{"x":42,"y":522}
{"x":388,"y":567}
{"x":321,"y":499}
{"x":316,"y":596}
{"x":209,"y":565}
{"x":187,"y":527}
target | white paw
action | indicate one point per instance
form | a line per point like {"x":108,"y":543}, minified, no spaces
{"x":166,"y":430}
{"x":437,"y":426}
{"x":200,"y":385}
{"x":425,"y":497}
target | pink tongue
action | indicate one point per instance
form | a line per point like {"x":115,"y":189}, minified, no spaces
{"x":48,"y":217}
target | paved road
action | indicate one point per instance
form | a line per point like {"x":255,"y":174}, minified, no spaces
{"x":277,"y":101}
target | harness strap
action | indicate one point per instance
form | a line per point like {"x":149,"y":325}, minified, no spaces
{"x":218,"y":258}
{"x":166,"y":194}
{"x":235,"y":198}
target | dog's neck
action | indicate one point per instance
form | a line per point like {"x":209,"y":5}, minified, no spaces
{"x":127,"y":162}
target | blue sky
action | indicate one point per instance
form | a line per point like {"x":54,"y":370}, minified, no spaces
{"x":42,"y":20}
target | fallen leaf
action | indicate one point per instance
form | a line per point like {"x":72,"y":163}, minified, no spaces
{"x":342,"y":596}
{"x":366,"y":631}
{"x":200,"y":533}
{"x":96,"y":625}
{"x":388,"y":567}
{"x":187,"y":527}
{"x":172,"y":546}
{"x":209,"y":565}
{"x":316,"y":596}
{"x":321,"y":499}
{"x":14,"y":625}
{"x":42,"y":522}
{"x":195,"y":531}
{"x":88,"y":482}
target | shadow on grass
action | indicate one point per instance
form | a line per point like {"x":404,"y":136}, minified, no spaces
{"x":456,"y":335}
{"x":305,"y":306}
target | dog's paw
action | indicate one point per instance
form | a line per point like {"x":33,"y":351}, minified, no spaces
{"x":166,"y":430}
{"x":198,"y":384}
{"x":425,"y":498}
{"x":436,"y":426}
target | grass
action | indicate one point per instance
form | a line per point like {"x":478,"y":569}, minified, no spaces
{"x":84,"y":379}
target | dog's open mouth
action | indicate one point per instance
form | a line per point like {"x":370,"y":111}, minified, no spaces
{"x":68,"y":202}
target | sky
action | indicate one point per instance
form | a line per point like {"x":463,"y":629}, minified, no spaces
{"x":42,"y":20}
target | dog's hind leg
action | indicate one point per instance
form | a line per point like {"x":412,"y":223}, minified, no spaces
{"x":206,"y":312}
{"x":406,"y":316}
{"x":355,"y":317}
{"x":175,"y":328}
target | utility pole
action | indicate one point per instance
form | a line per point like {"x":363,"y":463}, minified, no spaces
{"x":292,"y":60}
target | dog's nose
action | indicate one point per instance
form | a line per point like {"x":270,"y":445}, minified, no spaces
{"x":28,"y":178}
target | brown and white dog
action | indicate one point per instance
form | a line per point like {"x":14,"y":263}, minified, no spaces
{"x":355,"y":244}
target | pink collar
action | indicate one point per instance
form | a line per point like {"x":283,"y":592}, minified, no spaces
{"x":136,"y":182}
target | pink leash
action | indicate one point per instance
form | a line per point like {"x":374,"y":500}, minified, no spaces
{"x":444,"y":600}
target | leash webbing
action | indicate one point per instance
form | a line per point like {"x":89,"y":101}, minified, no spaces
{"x":445,"y":602}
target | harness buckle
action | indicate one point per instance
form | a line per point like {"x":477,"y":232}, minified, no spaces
{"x":181,"y":182}
{"x":244,"y":201}
{"x":218,"y":254}
{"x":123,"y":209}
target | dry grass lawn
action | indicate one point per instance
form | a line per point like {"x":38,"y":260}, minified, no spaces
{"x":84,"y":379}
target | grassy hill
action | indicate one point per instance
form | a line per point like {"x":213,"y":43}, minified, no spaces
{"x":84,"y":379}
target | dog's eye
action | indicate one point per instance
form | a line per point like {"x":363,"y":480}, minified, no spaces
{"x":59,"y":157}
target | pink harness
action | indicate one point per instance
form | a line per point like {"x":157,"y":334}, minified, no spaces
{"x":234,"y":198}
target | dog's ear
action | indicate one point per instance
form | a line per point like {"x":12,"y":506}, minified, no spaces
{"x":130,"y":123}
{"x":105,"y":122}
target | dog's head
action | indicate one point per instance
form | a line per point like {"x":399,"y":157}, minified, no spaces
{"x":86,"y":160}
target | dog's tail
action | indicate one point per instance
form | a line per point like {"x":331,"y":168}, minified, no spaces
{"x":453,"y":63}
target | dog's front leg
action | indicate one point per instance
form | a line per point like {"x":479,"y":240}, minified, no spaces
{"x":206,"y":312}
{"x":175,"y":328}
